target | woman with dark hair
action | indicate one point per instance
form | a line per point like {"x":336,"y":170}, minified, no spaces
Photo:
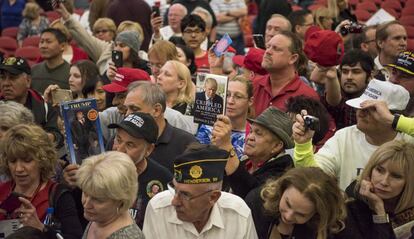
{"x":93,"y":89}
{"x":186,"y":56}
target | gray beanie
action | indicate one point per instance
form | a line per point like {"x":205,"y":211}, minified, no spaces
{"x":130,"y":38}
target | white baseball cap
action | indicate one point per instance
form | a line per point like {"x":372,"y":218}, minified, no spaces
{"x":394,"y":95}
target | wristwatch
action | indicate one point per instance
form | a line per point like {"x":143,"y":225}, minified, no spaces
{"x":395,"y":121}
{"x":379,"y":219}
{"x":232,"y":153}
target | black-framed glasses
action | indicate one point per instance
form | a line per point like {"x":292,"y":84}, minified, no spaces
{"x":182,"y":195}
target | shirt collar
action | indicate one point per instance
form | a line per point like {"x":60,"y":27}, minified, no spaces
{"x":166,"y":135}
{"x":378,"y":63}
{"x":293,"y":85}
{"x":215,"y":219}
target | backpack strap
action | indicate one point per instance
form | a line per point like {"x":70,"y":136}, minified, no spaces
{"x":55,"y":192}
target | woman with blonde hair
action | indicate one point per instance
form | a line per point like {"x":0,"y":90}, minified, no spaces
{"x":29,"y":159}
{"x":382,"y":198}
{"x":159,"y":53}
{"x":33,"y":23}
{"x":109,"y":188}
{"x":323,"y":18}
{"x":340,"y":11}
{"x":175,"y":80}
{"x":104,"y":29}
{"x":303,"y":203}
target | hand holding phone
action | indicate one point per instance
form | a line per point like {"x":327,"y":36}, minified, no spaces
{"x":259,"y":41}
{"x":12,"y":202}
{"x":117,"y":58}
{"x":222,"y":45}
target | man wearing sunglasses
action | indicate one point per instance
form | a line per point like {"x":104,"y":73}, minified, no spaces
{"x":194,"y":206}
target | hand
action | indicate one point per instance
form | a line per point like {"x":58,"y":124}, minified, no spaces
{"x":374,"y":201}
{"x":69,"y":175}
{"x":63,"y":11}
{"x":300,"y":134}
{"x":379,"y":110}
{"x":27,"y":214}
{"x":47,"y":95}
{"x":341,"y":24}
{"x":213,"y":60}
{"x":221,"y":134}
{"x":156,"y":23}
{"x":111,"y":72}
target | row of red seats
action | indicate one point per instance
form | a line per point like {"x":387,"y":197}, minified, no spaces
{"x":29,"y":49}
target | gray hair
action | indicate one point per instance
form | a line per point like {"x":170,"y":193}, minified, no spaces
{"x":151,"y":93}
{"x":181,"y":6}
{"x":209,"y":20}
{"x":288,"y":24}
{"x":13,"y":113}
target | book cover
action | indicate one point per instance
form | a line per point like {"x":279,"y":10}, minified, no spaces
{"x":82,"y":129}
{"x":210,"y":99}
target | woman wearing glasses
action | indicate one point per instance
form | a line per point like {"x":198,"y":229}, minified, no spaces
{"x":239,"y":102}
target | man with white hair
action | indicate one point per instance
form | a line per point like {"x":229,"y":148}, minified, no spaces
{"x":176,"y":12}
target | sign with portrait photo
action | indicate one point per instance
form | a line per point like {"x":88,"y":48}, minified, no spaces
{"x":82,"y":129}
{"x":210,"y":98}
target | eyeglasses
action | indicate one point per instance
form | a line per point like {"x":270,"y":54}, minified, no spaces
{"x":182,"y":195}
{"x":236,"y":97}
{"x":101,"y":31}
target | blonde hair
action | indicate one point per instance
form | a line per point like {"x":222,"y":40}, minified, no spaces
{"x":31,"y":10}
{"x":400,"y":154}
{"x":131,"y":26}
{"x":319,"y":13}
{"x":186,"y":94}
{"x":110,"y":175}
{"x":28,"y":141}
{"x":57,"y":24}
{"x":104,"y":22}
{"x":164,"y":51}
{"x":318,"y":187}
{"x":333,"y":8}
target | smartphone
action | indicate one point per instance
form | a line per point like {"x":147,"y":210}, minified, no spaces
{"x":61,"y":95}
{"x":259,"y":41}
{"x":55,"y":3}
{"x":222,"y":45}
{"x":117,"y":58}
{"x":156,"y":9}
{"x":12,"y":202}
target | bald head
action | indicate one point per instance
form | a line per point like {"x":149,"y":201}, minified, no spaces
{"x":275,"y":24}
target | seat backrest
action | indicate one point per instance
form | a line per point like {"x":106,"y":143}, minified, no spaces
{"x":362,"y":15}
{"x":394,"y":4}
{"x":8,"y":43}
{"x":28,"y":52}
{"x":10,"y":32}
{"x":368,"y":6}
{"x":407,"y":20}
{"x":31,"y":41}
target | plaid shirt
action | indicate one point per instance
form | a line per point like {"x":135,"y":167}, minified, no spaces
{"x":343,"y":114}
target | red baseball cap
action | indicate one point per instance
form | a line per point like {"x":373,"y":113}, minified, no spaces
{"x":325,"y":48}
{"x":231,"y":49}
{"x":239,"y":60}
{"x":253,"y":61}
{"x":124,"y":77}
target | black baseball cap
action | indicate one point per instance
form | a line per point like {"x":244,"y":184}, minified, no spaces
{"x":139,"y":125}
{"x":405,"y":63}
{"x":15,"y":65}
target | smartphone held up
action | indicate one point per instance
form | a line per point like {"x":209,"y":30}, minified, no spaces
{"x":222,"y":45}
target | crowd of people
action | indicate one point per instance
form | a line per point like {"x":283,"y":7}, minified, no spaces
{"x":315,"y":141}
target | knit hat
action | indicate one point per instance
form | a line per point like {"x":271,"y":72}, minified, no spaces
{"x":131,"y":39}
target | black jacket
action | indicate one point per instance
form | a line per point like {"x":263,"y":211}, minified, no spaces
{"x":242,"y":182}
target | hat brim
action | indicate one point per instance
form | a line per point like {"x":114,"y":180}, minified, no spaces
{"x":114,"y":88}
{"x":355,"y":103}
{"x":12,"y":70}
{"x":239,"y":60}
{"x":128,"y":129}
{"x":286,"y":139}
{"x":401,"y":69}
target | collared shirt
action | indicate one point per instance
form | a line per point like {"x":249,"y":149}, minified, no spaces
{"x":264,"y":98}
{"x":171,"y":143}
{"x":383,"y":73}
{"x":230,"y":217}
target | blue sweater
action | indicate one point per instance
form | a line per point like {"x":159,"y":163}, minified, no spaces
{"x":11,"y":15}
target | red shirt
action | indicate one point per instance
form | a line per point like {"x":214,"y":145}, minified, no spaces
{"x":40,"y":201}
{"x":263,"y":97}
{"x":203,"y":66}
